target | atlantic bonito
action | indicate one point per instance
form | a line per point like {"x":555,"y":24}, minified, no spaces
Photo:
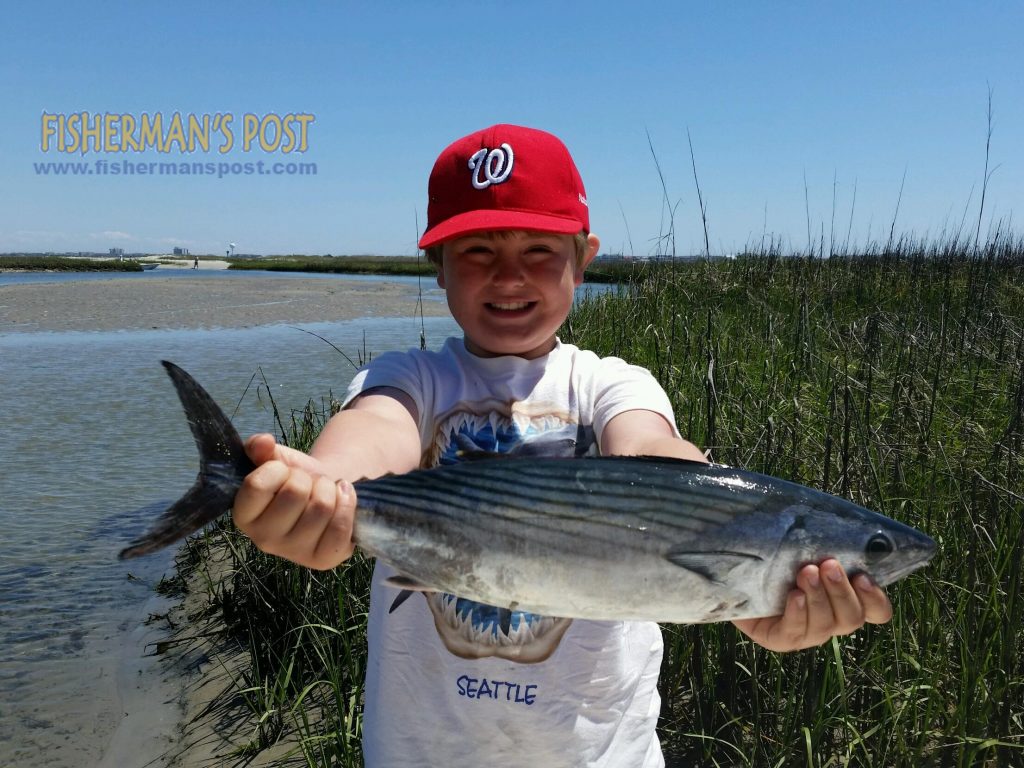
{"x":612,"y":538}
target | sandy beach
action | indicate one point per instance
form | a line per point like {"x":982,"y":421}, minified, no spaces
{"x":203,"y":666}
{"x":204,"y":302}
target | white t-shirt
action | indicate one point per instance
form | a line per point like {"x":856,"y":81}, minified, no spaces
{"x":442,"y":688}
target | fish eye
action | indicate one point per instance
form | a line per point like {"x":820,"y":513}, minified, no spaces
{"x":878,"y":547}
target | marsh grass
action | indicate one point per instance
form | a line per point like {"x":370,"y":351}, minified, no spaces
{"x":35,"y":263}
{"x":894,"y":378}
{"x":353,"y":265}
{"x":603,"y":271}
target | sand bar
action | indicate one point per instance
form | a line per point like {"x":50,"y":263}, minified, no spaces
{"x":205,"y":302}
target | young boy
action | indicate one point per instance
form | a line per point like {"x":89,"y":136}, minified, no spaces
{"x":451,"y":682}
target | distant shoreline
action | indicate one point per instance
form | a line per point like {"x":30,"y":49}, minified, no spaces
{"x":180,"y":303}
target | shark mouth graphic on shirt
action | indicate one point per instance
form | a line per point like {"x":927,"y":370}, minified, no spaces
{"x":465,"y":435}
{"x":474,"y":630}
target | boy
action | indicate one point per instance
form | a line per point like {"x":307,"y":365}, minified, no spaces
{"x":451,"y":682}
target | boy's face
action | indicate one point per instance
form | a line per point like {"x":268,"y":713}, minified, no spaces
{"x":509,"y":292}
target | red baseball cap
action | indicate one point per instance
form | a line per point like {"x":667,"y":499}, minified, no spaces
{"x":505,"y":177}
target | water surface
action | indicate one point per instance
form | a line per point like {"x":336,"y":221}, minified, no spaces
{"x":32,"y":278}
{"x":94,"y":442}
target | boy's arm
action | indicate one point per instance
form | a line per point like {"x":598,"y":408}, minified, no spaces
{"x":645,"y":433}
{"x":300,"y":506}
{"x":824,"y":602}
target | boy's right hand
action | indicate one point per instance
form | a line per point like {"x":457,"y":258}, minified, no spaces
{"x":290,"y":507}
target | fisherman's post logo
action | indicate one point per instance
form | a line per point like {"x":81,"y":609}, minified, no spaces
{"x":82,"y":132}
{"x":131,"y":144}
{"x":494,"y":164}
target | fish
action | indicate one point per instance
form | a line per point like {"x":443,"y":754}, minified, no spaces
{"x":601,"y":538}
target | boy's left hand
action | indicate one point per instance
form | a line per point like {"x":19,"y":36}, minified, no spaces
{"x":823,"y":605}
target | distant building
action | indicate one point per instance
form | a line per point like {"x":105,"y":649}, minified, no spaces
{"x":116,"y":252}
{"x":181,"y":252}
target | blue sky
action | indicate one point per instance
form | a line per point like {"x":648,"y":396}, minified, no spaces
{"x":849,"y":96}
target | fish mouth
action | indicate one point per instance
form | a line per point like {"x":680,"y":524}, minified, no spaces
{"x":473,"y":630}
{"x":921,"y":557}
{"x":884,"y":580}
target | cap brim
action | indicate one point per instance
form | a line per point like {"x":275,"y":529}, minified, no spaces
{"x":481,"y":221}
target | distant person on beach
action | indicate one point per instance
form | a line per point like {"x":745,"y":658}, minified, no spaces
{"x":447,"y":682}
{"x":195,"y":264}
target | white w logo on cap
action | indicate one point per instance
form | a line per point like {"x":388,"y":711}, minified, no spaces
{"x":494,"y":164}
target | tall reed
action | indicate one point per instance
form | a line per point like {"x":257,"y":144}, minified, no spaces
{"x":894,"y":378}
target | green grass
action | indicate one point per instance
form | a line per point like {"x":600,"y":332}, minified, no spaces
{"x":352,"y":265}
{"x":895,"y":379}
{"x":602,"y":271}
{"x":30,"y":263}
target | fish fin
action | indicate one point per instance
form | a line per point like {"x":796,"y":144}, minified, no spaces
{"x":223,"y":465}
{"x":202,"y":504}
{"x":407,"y":583}
{"x":713,"y":566}
{"x":551,"y":448}
{"x":555,"y":449}
{"x":404,"y":595}
{"x":221,"y":452}
{"x":479,"y":455}
{"x":695,"y":464}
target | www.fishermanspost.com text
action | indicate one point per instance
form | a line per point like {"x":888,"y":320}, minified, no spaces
{"x":102,"y":167}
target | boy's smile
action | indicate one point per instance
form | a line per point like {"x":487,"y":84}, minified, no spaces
{"x":510,"y":291}
{"x":512,"y":306}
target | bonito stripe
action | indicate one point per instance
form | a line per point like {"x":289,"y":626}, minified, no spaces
{"x":503,"y":495}
{"x":659,"y":501}
{"x":512,"y":498}
{"x":540,"y":523}
{"x":708,"y":505}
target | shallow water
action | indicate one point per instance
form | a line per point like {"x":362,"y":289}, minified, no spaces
{"x":94,"y":441}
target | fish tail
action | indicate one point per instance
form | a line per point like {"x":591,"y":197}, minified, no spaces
{"x":223,"y":465}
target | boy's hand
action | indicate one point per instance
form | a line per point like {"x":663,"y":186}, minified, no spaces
{"x":290,"y":507}
{"x":823,"y":605}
